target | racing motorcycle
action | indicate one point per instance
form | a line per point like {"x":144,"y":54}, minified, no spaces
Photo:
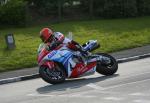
{"x":60,"y":63}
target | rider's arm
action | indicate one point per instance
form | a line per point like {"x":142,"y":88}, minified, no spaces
{"x":70,"y":43}
{"x":74,"y":45}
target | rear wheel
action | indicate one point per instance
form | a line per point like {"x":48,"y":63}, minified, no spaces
{"x":54,"y":75}
{"x":107,"y":68}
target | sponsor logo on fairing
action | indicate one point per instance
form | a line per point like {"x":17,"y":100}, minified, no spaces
{"x":52,"y":54}
{"x":80,"y":69}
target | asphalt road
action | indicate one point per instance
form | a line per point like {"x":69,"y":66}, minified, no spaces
{"x":131,"y":84}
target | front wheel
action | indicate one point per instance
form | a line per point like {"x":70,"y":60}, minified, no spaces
{"x":54,"y":75}
{"x":107,"y":69}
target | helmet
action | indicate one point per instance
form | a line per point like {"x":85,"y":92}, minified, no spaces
{"x":46,"y":35}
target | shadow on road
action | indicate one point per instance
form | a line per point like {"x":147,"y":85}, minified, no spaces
{"x":72,"y":84}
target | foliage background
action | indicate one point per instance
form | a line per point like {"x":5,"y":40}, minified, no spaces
{"x":19,"y":12}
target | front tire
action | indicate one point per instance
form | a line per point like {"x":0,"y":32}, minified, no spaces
{"x":107,"y":69}
{"x":55,"y":75}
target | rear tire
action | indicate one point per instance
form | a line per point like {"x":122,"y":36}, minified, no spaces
{"x":109,"y":69}
{"x":53,"y":76}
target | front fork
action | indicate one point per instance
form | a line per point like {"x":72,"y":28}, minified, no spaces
{"x":104,"y":59}
{"x":100,"y":58}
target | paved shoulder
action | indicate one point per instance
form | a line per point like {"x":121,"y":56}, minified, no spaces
{"x":132,"y":52}
{"x":16,"y":73}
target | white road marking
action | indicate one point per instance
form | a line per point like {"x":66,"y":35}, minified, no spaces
{"x":135,"y":75}
{"x":138,"y":94}
{"x":94,"y":86}
{"x":62,"y":95}
{"x":99,"y":89}
{"x":113,"y":98}
{"x":141,"y":101}
{"x":120,"y":85}
{"x":40,"y":95}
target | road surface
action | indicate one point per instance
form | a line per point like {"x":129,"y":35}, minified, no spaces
{"x":131,"y":84}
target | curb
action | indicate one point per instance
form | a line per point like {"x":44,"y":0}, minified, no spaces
{"x":34,"y":76}
{"x":20,"y":78}
{"x":133,"y":58}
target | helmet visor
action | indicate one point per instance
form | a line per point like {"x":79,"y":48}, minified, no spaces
{"x":50,"y":39}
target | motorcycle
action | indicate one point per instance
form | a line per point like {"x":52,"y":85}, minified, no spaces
{"x":60,"y":63}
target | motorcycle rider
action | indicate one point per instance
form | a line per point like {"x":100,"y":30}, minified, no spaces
{"x":53,"y":39}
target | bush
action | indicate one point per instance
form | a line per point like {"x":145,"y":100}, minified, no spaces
{"x":143,"y":7}
{"x":115,"y":8}
{"x":13,"y":13}
{"x":101,"y":8}
{"x":130,"y":8}
{"x":44,"y":7}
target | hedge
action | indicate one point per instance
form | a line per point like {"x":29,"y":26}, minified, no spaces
{"x":13,"y":13}
{"x":115,"y":8}
{"x":101,"y":8}
{"x":143,"y":7}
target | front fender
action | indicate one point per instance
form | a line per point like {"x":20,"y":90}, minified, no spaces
{"x":50,"y":64}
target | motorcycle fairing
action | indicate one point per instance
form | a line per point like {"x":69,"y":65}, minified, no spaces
{"x":82,"y":69}
{"x":62,"y":56}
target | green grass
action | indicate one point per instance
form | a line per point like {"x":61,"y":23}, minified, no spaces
{"x":114,"y":35}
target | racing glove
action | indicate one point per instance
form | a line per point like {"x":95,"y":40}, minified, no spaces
{"x":77,"y":47}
